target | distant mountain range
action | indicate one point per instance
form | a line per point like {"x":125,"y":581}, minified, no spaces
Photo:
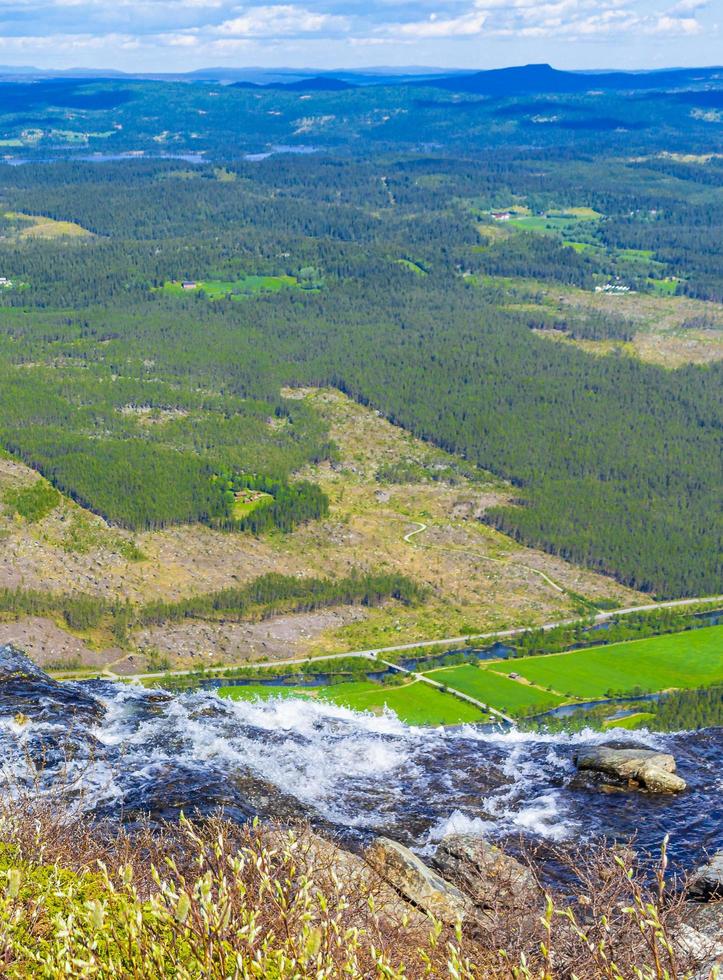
{"x":500,"y":83}
{"x":506,"y":82}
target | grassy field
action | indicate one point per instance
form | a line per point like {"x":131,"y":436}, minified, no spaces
{"x":582,"y":246}
{"x":38,"y":226}
{"x":248,"y":501}
{"x":412,"y":266}
{"x":664,"y":287}
{"x":661,"y":319}
{"x":237,"y":289}
{"x":493,"y":689}
{"x":631,"y":722}
{"x":555,"y":221}
{"x":249,"y":692}
{"x":680,"y":660}
{"x":415,"y":704}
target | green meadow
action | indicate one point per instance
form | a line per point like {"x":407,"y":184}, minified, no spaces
{"x":249,"y":692}
{"x":692,"y":659}
{"x":236,"y":289}
{"x":688,"y":660}
{"x":664,"y":287}
{"x":631,"y":722}
{"x":248,"y":501}
{"x":412,"y":266}
{"x":554,"y":221}
{"x":496,"y":690}
{"x":416,"y":703}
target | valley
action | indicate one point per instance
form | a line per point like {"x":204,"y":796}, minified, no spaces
{"x":361,"y":590}
{"x":479,"y":579}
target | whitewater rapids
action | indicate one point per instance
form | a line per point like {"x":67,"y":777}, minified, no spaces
{"x":124,"y":750}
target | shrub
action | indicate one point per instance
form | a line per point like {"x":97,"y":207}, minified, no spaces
{"x":216,"y":900}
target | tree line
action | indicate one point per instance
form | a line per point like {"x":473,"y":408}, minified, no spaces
{"x":260,"y":598}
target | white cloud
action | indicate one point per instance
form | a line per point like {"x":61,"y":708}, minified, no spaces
{"x":180,"y":40}
{"x":396,"y":31}
{"x":676,"y":25}
{"x":230,"y":45}
{"x":465,"y":26}
{"x":564,"y":19}
{"x":69,"y":42}
{"x":688,"y":6}
{"x":284,"y":20}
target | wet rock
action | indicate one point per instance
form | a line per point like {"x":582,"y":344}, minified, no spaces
{"x":707,"y":882}
{"x":653,"y":771}
{"x":491,"y":878}
{"x":416,"y":882}
{"x":599,"y":781}
{"x":27,"y":691}
{"x":178,"y":785}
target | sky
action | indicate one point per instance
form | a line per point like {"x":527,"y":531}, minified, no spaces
{"x":179,"y":35}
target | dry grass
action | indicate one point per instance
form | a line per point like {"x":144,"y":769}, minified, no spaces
{"x":39,"y":226}
{"x":479,"y":579}
{"x":660,"y":338}
{"x":218,"y":900}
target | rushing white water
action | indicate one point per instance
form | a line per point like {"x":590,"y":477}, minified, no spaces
{"x":135,"y":750}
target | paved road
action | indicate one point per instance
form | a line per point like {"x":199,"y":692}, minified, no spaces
{"x":374,"y":652}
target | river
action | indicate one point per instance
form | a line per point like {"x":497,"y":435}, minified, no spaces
{"x":125,"y":750}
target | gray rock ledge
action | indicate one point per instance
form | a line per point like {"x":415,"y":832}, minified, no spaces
{"x":638,"y":768}
{"x":416,"y":882}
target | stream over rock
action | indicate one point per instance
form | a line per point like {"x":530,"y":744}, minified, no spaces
{"x":123,"y":750}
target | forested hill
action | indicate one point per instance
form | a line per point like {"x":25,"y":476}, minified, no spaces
{"x":625,"y":113}
{"x":396,"y":279}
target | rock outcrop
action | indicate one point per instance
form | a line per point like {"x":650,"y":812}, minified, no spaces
{"x":706,"y":884}
{"x":329,"y":863}
{"x":491,"y":878}
{"x":700,"y":933}
{"x":636,"y":768}
{"x":416,"y":882}
{"x":700,"y":937}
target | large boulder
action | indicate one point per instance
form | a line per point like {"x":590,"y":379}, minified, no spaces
{"x":328,"y":863}
{"x":491,"y":878}
{"x":416,"y":882}
{"x":644,"y":768}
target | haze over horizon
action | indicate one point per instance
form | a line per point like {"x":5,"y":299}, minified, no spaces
{"x":183,"y":35}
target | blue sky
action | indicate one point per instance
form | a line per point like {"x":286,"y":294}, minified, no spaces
{"x":172,"y":35}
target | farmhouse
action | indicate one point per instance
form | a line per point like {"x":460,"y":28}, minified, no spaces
{"x":189,"y":284}
{"x":501,"y":215}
